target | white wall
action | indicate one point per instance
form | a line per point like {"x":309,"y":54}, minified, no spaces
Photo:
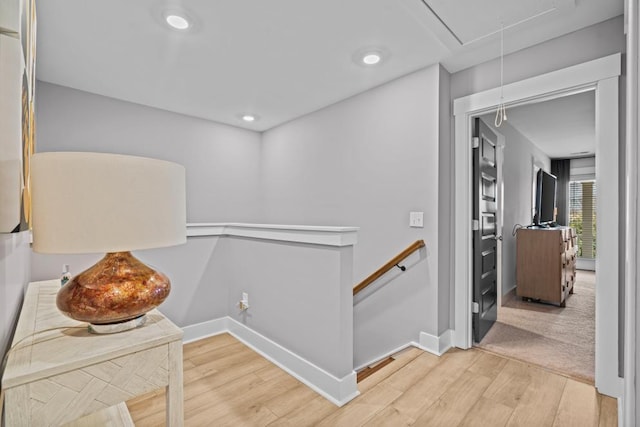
{"x":519,"y":153}
{"x":14,"y":275}
{"x":222,"y":162}
{"x":368,"y":161}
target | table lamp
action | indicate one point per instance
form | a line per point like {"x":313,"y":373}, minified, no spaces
{"x":96,"y":203}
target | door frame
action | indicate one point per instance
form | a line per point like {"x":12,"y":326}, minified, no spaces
{"x":600,"y":75}
{"x":500,"y":215}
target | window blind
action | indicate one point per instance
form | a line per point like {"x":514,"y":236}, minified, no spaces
{"x":582,"y":215}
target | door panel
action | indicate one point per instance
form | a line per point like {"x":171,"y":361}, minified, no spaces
{"x":485,"y":261}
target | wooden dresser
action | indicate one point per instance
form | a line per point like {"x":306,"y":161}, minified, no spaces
{"x":546,"y":264}
{"x":58,"y":372}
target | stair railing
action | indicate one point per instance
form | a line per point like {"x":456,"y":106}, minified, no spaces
{"x":394,"y":262}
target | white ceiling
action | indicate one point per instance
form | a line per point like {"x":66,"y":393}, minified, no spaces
{"x":280,"y":59}
{"x":562,"y":128}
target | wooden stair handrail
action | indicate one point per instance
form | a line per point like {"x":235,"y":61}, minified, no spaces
{"x":389,"y":265}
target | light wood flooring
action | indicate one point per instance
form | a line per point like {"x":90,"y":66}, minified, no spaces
{"x":228,"y":384}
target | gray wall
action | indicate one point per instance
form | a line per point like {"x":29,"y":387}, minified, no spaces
{"x":596,"y":41}
{"x":222,"y":167}
{"x":222,"y":162}
{"x":300,"y":296}
{"x":368,"y":161}
{"x":445,"y":205}
{"x":518,"y":182}
{"x":197,"y":295}
{"x":222,"y":170}
{"x":14,"y":275}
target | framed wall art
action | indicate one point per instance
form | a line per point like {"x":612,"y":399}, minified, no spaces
{"x":17,"y":113}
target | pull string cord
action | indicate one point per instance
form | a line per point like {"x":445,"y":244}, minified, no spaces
{"x":15,"y":345}
{"x":501,"y":113}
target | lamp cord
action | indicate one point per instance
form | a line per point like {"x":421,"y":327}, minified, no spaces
{"x":501,"y":113}
{"x":15,"y":346}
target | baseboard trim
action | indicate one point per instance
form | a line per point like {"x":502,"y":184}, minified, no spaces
{"x":338,"y":391}
{"x":622,"y":415}
{"x":611,"y":386}
{"x":385,"y":355}
{"x":206,"y":329}
{"x":437,"y":345}
{"x":509,"y":296}
{"x":430,"y":343}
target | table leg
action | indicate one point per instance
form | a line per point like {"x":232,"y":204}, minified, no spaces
{"x":175,"y":399}
{"x":16,"y":409}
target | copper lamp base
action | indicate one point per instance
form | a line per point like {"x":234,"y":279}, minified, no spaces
{"x":118,"y":289}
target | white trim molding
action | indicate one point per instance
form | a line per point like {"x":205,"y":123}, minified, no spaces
{"x":385,"y":355}
{"x":338,"y":391}
{"x":437,"y":345}
{"x":317,"y":235}
{"x":600,"y":75}
{"x":203,"y":330}
{"x":627,"y":405}
{"x":588,"y":264}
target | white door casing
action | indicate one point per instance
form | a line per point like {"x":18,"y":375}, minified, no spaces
{"x":600,"y":75}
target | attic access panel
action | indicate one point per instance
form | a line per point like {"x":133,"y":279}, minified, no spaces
{"x":468,"y":21}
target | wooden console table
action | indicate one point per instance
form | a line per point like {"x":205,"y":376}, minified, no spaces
{"x":58,"y":372}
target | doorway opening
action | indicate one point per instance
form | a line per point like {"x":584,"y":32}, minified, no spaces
{"x":548,"y":319}
{"x":600,"y":75}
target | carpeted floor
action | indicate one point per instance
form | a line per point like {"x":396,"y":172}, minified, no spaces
{"x":561,"y":339}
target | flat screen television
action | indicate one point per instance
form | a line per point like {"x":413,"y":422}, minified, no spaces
{"x":545,"y":198}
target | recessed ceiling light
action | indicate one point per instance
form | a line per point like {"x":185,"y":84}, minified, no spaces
{"x":178,"y":22}
{"x":371,"y":58}
{"x":249,"y":117}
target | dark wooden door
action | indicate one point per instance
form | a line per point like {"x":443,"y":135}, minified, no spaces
{"x":485,"y":259}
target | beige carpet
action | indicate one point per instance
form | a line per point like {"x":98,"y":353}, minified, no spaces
{"x":561,"y":339}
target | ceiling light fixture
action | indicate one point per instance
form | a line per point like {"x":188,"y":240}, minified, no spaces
{"x":249,"y":117}
{"x":372,"y":58}
{"x":178,"y":22}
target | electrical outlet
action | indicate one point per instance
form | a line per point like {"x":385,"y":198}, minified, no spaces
{"x":243,"y":304}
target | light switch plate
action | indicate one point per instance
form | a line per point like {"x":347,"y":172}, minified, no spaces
{"x":416,"y":219}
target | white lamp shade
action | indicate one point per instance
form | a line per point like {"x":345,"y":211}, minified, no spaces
{"x":97,"y":202}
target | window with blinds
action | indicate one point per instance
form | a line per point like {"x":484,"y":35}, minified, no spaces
{"x":582,"y":215}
